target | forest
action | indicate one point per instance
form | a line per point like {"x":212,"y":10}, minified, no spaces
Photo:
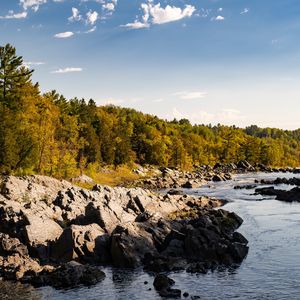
{"x":49,"y":134}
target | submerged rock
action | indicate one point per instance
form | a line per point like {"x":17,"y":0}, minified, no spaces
{"x":163,"y":284}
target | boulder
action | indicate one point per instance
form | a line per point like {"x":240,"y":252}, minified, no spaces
{"x":190,"y":185}
{"x":10,"y":245}
{"x":14,"y":259}
{"x":163,"y":284}
{"x":84,"y":243}
{"x":217,"y":178}
{"x":243,"y":164}
{"x":15,"y":266}
{"x":292,"y":195}
{"x":40,"y":231}
{"x":30,"y":225}
{"x":129,"y":245}
{"x":69,"y":275}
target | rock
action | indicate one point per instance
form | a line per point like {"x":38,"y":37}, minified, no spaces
{"x":124,"y":227}
{"x":292,"y":195}
{"x":10,"y":245}
{"x":175,"y":192}
{"x":227,"y":176}
{"x":237,"y":237}
{"x":14,"y":259}
{"x":162,"y":282}
{"x":185,"y":294}
{"x":198,"y":267}
{"x":30,"y":188}
{"x":15,"y":266}
{"x":129,"y":244}
{"x":243,"y":164}
{"x":40,"y":231}
{"x":246,"y":187}
{"x":30,"y":225}
{"x":218,"y":165}
{"x":83,"y":179}
{"x":69,"y":275}
{"x":296,"y":171}
{"x":85,"y":243}
{"x":217,"y":178}
{"x":189,"y":185}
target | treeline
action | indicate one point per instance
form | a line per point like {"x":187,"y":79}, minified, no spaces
{"x":49,"y":134}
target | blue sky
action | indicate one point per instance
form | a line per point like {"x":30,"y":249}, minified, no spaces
{"x":228,"y":61}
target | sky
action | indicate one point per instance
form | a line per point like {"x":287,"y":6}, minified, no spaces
{"x":235,"y":62}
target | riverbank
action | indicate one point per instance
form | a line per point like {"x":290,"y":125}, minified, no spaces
{"x":55,"y":233}
{"x":166,"y":178}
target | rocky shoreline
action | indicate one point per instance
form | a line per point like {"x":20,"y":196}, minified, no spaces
{"x":292,"y":195}
{"x":166,"y":178}
{"x":286,"y":195}
{"x":55,"y":233}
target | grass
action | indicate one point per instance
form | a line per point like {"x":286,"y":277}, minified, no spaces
{"x":121,"y":176}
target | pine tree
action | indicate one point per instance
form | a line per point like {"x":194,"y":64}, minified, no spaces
{"x":12,"y":73}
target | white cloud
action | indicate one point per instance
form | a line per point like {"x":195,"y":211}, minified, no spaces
{"x":244,"y":11}
{"x":91,"y":30}
{"x":75,"y":15}
{"x":218,"y":18}
{"x":191,"y":95}
{"x":109,"y":6}
{"x":92,"y":17}
{"x":169,"y":13}
{"x":64,"y":35}
{"x":220,"y":9}
{"x":67,"y":70}
{"x":29,"y":64}
{"x":155,"y":14}
{"x":33,"y":4}
{"x":12,"y":15}
{"x":136,"y":25}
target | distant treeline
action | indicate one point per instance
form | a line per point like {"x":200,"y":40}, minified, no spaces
{"x":51,"y":135}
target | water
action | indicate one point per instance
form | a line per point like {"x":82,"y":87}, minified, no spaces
{"x":270,"y":271}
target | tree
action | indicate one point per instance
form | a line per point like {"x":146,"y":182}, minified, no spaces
{"x":12,"y":72}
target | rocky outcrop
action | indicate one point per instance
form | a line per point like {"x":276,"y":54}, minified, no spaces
{"x":41,"y":238}
{"x":292,"y":195}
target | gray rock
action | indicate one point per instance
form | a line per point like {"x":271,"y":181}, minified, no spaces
{"x":85,"y":243}
{"x":69,"y":275}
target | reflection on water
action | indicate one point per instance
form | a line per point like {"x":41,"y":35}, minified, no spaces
{"x":270,"y":271}
{"x":17,"y":291}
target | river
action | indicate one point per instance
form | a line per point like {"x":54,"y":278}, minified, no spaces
{"x":270,"y":271}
